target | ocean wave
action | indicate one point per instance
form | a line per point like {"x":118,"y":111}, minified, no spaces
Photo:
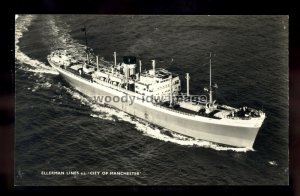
{"x":102,"y":116}
{"x":44,"y":85}
{"x":274,"y":163}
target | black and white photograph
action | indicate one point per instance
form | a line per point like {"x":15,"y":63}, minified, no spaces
{"x":151,"y":100}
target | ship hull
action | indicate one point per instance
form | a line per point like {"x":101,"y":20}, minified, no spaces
{"x":238,"y":136}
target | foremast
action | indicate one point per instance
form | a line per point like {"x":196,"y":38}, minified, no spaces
{"x":210,"y":106}
{"x":210,"y":87}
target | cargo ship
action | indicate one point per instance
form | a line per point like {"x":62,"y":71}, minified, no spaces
{"x":155,"y":96}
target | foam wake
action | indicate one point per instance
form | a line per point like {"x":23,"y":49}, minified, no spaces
{"x":22,"y":25}
{"x":63,"y":38}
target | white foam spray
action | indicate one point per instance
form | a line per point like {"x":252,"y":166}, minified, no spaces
{"x":22,"y":25}
{"x":273,"y":163}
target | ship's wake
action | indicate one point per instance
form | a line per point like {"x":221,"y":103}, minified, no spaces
{"x":63,"y":38}
{"x":21,"y":27}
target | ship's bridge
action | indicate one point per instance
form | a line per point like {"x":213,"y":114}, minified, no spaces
{"x":161,"y":83}
{"x":161,"y":75}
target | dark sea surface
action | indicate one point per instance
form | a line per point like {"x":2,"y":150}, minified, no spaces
{"x":58,"y":129}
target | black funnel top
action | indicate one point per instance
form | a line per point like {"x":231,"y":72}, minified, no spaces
{"x":129,"y":60}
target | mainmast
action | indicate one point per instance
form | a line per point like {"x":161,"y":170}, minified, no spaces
{"x":85,"y":36}
{"x":210,"y":87}
{"x":86,"y":43}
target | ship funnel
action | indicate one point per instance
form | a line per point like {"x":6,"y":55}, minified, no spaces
{"x":115,"y":58}
{"x":130,"y":64}
{"x":187,"y":84}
